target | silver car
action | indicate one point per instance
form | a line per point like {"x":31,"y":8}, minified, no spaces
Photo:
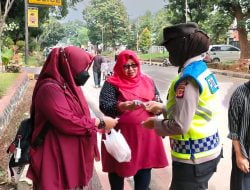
{"x":223,"y":53}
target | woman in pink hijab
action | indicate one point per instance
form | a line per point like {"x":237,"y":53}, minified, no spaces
{"x":123,"y":95}
{"x":64,"y":159}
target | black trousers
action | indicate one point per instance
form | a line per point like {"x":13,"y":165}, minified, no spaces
{"x":192,"y":176}
{"x":141,"y":179}
{"x":239,"y":180}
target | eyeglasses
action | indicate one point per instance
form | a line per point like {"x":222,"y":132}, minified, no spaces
{"x":127,"y":66}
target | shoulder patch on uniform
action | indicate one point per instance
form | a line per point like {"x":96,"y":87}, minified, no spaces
{"x":212,"y":83}
{"x":180,"y":90}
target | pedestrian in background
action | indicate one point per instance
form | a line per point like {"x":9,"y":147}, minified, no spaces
{"x":123,"y":96}
{"x":65,"y":158}
{"x":116,"y":54}
{"x":105,"y":69}
{"x":98,"y":60}
{"x":191,"y":119}
{"x":239,"y":127}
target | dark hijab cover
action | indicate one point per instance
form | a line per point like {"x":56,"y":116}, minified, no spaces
{"x":184,"y":41}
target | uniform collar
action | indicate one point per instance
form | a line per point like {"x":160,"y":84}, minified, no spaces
{"x":193,"y":59}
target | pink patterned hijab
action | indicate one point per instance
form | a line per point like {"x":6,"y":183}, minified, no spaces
{"x":131,"y":88}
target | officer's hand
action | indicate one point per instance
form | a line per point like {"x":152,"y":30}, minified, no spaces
{"x":149,"y":123}
{"x":242,"y":163}
{"x":154,"y":107}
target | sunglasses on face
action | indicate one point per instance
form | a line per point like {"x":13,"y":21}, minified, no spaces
{"x":127,"y":66}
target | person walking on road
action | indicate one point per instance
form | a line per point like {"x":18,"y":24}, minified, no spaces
{"x":239,"y":127}
{"x":98,"y":60}
{"x":190,"y":116}
{"x":65,"y":158}
{"x":123,"y":95}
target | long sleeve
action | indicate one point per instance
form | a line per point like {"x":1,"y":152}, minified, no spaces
{"x":239,"y":118}
{"x":183,"y":112}
{"x":52,"y":103}
{"x":234,"y":116}
{"x":108,"y":100}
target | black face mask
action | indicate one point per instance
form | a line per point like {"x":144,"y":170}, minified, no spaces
{"x":82,"y":78}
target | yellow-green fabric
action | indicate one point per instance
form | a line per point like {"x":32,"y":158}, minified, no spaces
{"x":203,"y":128}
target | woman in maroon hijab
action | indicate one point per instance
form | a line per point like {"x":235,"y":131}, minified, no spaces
{"x":123,"y":95}
{"x":65,"y":158}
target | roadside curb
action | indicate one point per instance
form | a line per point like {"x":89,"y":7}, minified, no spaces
{"x":10,"y":102}
{"x":216,"y":71}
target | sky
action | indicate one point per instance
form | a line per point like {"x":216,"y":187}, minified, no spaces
{"x":135,"y":8}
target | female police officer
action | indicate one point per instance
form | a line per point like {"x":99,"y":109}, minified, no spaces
{"x":190,"y":114}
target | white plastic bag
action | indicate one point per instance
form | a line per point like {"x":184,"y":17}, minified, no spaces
{"x":117,"y":146}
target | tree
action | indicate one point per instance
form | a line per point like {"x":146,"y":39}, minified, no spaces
{"x":107,"y":21}
{"x":7,"y":6}
{"x":217,"y":27}
{"x":132,"y":37}
{"x":145,"y":40}
{"x":53,"y":33}
{"x":160,"y":22}
{"x":220,"y":14}
{"x":75,"y":33}
{"x":146,"y":21}
{"x":239,"y":9}
{"x":198,"y":11}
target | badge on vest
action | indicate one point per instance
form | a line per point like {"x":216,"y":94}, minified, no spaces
{"x":212,"y":83}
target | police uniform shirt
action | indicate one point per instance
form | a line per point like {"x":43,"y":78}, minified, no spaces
{"x":187,"y":97}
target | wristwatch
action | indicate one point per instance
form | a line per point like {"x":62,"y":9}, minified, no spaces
{"x":102,"y":124}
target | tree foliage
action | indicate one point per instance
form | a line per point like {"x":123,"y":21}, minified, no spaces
{"x":107,"y":21}
{"x":145,"y":40}
{"x":215,"y":17}
{"x":75,"y":33}
{"x":53,"y":33}
{"x":240,"y":10}
{"x":132,"y":37}
{"x":160,"y":21}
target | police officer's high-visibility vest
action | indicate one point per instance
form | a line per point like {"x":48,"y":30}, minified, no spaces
{"x":202,"y":138}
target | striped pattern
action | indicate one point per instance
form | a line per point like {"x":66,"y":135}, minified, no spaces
{"x":239,"y":117}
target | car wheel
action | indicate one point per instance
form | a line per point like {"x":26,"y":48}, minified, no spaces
{"x":216,"y":60}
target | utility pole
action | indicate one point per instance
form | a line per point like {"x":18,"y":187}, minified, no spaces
{"x":26,"y":32}
{"x":186,"y":7}
{"x":102,"y":36}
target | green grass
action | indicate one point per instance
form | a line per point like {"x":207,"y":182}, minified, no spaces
{"x":33,"y":60}
{"x":153,"y":56}
{"x":6,"y":79}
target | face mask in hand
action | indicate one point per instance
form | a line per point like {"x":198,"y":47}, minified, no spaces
{"x":81,"y":78}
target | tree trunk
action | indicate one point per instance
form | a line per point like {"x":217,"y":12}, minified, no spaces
{"x":241,"y":27}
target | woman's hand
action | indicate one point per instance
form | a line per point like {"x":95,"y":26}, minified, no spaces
{"x":149,"y":123}
{"x":128,"y":105}
{"x":154,"y":107}
{"x":110,"y":122}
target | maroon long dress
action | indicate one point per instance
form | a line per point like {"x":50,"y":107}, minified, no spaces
{"x":65,"y":159}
